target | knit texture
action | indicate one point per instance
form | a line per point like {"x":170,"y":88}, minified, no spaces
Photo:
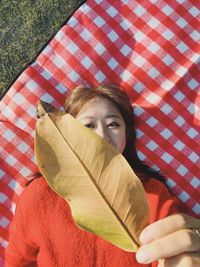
{"x":44,"y":234}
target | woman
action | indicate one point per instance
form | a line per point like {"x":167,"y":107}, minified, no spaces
{"x":43,"y":232}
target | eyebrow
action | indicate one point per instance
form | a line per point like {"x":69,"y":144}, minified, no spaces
{"x":112,"y":116}
{"x":107,"y":117}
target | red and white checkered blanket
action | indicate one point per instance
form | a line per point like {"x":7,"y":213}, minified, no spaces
{"x":152,"y":49}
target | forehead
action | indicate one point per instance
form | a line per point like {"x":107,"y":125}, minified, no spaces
{"x":99,"y":106}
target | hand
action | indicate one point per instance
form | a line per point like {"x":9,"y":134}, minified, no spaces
{"x":172,"y":241}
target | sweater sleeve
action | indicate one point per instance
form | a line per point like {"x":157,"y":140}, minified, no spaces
{"x":21,"y":250}
{"x":161,"y":202}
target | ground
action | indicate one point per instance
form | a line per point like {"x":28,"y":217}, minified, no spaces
{"x":25,"y":27}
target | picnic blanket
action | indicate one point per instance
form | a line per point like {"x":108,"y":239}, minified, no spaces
{"x":152,"y":49}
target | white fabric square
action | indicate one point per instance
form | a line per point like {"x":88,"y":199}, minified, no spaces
{"x":182,"y":170}
{"x":195,"y":182}
{"x":87,"y":62}
{"x":182,"y":47}
{"x":46,"y":74}
{"x":170,"y":183}
{"x":73,"y":75}
{"x":112,"y":11}
{"x":139,"y":36}
{"x":152,"y":145}
{"x":58,"y":61}
{"x":9,"y":135}
{"x":139,"y":133}
{"x":3,"y":198}
{"x":23,"y":147}
{"x":180,"y":1}
{"x":72,"y":48}
{"x":152,"y":121}
{"x":179,"y":145}
{"x":4,"y":243}
{"x":25,"y":172}
{"x":47,"y":51}
{"x":99,"y":21}
{"x":168,"y":60}
{"x":86,"y":35}
{"x":167,"y":85}
{"x":167,"y":10}
{"x":59,"y":36}
{"x":18,"y":99}
{"x":192,"y":84}
{"x":167,"y":157}
{"x":181,"y":71}
{"x":113,"y":36}
{"x":125,"y":75}
{"x":153,"y":23}
{"x":138,"y":111}
{"x":31,"y":111}
{"x":153,"y":98}
{"x":196,"y":208}
{"x":181,"y":23}
{"x":72,"y":22}
{"x":195,"y":35}
{"x":166,"y":133}
{"x":194,"y":11}
{"x":31,"y":85}
{"x":139,"y":61}
{"x":192,"y":132}
{"x":2,"y":173}
{"x":168,"y":35}
{"x":139,"y":87}
{"x":100,"y":77}
{"x":153,"y":47}
{"x":112,"y":63}
{"x":4,"y":222}
{"x":194,"y":157}
{"x":11,"y":160}
{"x":100,"y":49}
{"x":61,"y":88}
{"x":125,"y":24}
{"x":184,"y":196}
{"x":21,"y":123}
{"x":153,"y":73}
{"x":179,"y":121}
{"x":141,"y":155}
{"x":139,"y":10}
{"x":192,"y":108}
{"x":166,"y":108}
{"x":14,"y":185}
{"x":125,"y":50}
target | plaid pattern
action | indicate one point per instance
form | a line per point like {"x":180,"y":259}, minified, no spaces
{"x":152,"y":49}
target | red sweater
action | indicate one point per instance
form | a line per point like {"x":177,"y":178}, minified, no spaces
{"x":43,"y":231}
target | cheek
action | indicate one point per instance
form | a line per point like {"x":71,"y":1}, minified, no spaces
{"x":121,"y":142}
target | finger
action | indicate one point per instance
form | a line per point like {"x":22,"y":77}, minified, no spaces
{"x":168,"y":246}
{"x":183,"y":260}
{"x":168,"y":225}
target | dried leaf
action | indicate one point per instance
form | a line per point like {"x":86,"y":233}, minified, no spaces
{"x":104,"y":194}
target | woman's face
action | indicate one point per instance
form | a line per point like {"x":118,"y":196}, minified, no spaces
{"x":101,"y":116}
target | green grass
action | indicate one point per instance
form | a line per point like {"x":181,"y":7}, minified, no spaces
{"x":25,"y":26}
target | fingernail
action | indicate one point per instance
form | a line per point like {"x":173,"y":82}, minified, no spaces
{"x":146,"y":237}
{"x":143,"y":256}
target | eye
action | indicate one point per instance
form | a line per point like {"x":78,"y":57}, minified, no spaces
{"x":89,"y":125}
{"x":113,"y":124}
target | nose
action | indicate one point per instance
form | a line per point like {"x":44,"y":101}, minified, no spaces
{"x":102,"y":132}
